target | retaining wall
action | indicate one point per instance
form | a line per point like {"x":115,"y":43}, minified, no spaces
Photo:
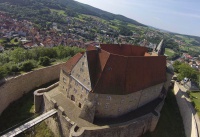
{"x":186,"y":111}
{"x":16,"y":87}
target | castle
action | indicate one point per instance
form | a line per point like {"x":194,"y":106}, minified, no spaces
{"x":108,"y":91}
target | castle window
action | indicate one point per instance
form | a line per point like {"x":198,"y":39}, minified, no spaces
{"x":81,"y":69}
{"x":109,"y":68}
{"x":108,"y":98}
{"x":106,"y":106}
{"x":82,"y":63}
{"x":64,"y":80}
{"x":75,"y":91}
{"x":79,"y":105}
{"x":72,"y":98}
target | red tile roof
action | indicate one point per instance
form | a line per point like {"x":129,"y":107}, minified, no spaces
{"x":72,"y":62}
{"x":123,"y":69}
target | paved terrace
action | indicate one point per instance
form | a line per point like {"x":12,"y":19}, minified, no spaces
{"x":71,"y":110}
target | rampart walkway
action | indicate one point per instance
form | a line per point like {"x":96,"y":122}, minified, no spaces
{"x":30,"y":124}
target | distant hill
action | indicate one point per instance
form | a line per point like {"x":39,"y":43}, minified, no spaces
{"x":97,"y":12}
{"x":73,"y":6}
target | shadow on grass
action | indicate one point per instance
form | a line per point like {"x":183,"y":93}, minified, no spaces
{"x":170,"y":123}
{"x":19,"y":110}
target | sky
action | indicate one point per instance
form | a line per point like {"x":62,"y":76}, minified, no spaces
{"x":180,"y":16}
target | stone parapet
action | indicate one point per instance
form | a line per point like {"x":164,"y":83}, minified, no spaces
{"x":16,"y":87}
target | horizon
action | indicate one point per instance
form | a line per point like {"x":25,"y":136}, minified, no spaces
{"x":158,"y":14}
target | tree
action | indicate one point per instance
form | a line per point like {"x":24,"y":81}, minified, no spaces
{"x":3,"y":72}
{"x":124,"y":30}
{"x":176,"y":66}
{"x":44,"y":61}
{"x":18,"y":55}
{"x":14,"y":68}
{"x":27,"y":66}
{"x":186,"y":71}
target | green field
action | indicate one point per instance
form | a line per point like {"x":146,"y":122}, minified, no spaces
{"x":192,"y":48}
{"x":186,"y":39}
{"x":60,"y":12}
{"x":169,"y":52}
{"x":195,"y":98}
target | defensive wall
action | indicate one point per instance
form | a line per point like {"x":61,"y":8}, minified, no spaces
{"x":187,"y":114}
{"x":116,"y":105}
{"x":62,"y":125}
{"x":16,"y":87}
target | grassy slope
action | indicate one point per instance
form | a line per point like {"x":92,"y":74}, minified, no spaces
{"x":170,"y":123}
{"x":195,"y":97}
{"x":60,"y":12}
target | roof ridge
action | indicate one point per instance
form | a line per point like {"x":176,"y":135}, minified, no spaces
{"x":101,"y":71}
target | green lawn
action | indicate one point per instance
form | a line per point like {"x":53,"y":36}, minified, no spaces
{"x":169,"y":52}
{"x":195,"y":98}
{"x":13,"y":42}
{"x":170,"y":123}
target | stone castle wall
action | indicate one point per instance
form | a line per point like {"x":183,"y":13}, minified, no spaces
{"x":61,"y":125}
{"x":188,"y":117}
{"x":81,"y":72}
{"x":133,"y":128}
{"x":72,"y":89}
{"x":16,"y":87}
{"x":107,"y":105}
